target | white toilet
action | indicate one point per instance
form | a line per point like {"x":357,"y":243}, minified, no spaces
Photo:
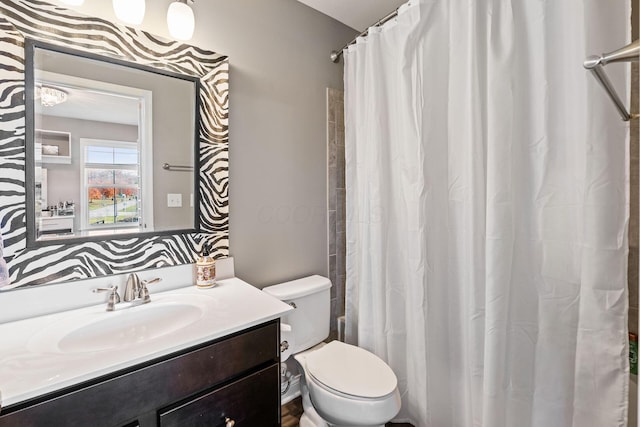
{"x":341,"y":385}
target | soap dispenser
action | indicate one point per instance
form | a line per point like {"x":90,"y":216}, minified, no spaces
{"x":206,"y":270}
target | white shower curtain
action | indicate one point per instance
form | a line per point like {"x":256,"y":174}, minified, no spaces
{"x":487,"y":210}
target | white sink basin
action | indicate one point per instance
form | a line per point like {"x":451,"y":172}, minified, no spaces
{"x":99,"y":330}
{"x":47,"y":353}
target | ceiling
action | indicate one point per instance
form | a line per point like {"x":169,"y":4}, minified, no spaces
{"x":95,"y":105}
{"x":357,"y":14}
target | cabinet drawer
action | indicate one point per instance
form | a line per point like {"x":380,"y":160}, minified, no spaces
{"x":252,"y":401}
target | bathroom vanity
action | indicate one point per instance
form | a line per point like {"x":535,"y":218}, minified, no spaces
{"x":213,"y":360}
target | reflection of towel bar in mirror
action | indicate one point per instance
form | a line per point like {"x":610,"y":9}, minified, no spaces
{"x":167,"y":166}
{"x":595,"y":64}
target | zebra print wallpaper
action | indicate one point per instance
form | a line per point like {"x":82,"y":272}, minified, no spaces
{"x":62,"y":262}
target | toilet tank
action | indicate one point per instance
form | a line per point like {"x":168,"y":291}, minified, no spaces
{"x":309,"y":320}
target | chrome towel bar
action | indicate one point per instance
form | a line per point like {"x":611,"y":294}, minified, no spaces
{"x":167,"y":166}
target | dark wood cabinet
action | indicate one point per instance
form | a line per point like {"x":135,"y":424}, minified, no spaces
{"x":235,"y":402}
{"x":236,"y":377}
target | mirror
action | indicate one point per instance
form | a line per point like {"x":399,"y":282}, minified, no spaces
{"x":111,"y":148}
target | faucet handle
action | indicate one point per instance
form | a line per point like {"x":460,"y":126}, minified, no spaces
{"x":114,"y":297}
{"x":143,"y":293}
{"x":152,"y":281}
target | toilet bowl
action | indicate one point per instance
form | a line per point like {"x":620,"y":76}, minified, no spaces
{"x":348,"y":386}
{"x":341,"y":384}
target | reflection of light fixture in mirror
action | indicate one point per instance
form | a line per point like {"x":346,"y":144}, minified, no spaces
{"x":129,"y":11}
{"x":180,"y":20}
{"x":50,"y":96}
{"x":73,"y":2}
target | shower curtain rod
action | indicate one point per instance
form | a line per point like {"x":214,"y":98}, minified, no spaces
{"x":335,"y":54}
{"x":595,"y":64}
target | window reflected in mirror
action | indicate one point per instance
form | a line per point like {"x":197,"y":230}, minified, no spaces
{"x":111,"y":178}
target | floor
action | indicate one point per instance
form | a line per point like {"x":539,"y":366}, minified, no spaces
{"x":292,"y":411}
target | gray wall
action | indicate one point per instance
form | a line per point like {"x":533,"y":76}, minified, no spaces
{"x":278,"y":52}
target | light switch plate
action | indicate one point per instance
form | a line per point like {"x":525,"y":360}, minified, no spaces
{"x":174,"y":200}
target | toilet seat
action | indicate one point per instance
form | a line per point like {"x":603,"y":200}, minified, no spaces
{"x":351,"y":371}
{"x":331,"y":401}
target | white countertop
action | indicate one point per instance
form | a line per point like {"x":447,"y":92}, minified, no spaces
{"x":30,"y":366}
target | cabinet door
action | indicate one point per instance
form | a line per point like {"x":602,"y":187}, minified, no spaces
{"x":252,"y":401}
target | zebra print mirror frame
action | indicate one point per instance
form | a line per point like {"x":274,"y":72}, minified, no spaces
{"x":20,"y":19}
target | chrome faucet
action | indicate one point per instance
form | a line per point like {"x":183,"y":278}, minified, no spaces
{"x":132,"y":289}
{"x":137,"y":289}
{"x":114,"y":298}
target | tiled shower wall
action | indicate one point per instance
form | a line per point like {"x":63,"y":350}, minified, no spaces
{"x":634,"y":222}
{"x":635,"y":187}
{"x":336,"y":203}
{"x":633,"y":217}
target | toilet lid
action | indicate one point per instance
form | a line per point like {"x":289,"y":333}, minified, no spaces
{"x":351,"y":370}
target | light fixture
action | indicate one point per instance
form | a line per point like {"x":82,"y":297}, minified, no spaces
{"x":50,"y":96}
{"x":73,"y":2}
{"x":180,"y":20}
{"x":129,"y":11}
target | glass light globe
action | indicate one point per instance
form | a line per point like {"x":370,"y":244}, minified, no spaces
{"x":180,"y":20}
{"x":129,"y":11}
{"x":73,"y":2}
